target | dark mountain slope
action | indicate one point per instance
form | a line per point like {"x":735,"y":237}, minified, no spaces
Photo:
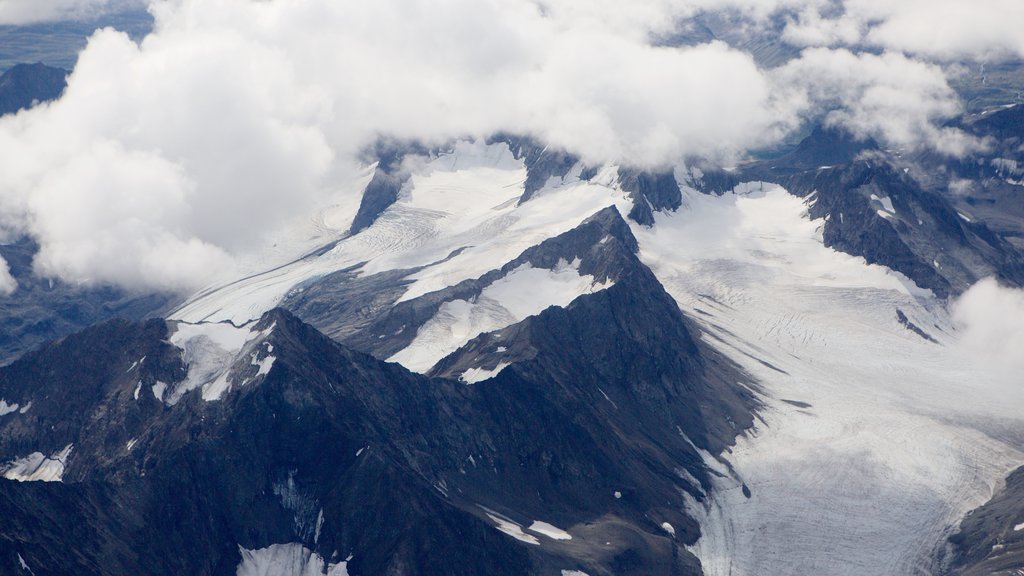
{"x":345,"y":454}
{"x":24,"y":85}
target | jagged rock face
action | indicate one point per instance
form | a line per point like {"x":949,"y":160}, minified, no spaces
{"x":542,"y":162}
{"x":652,"y":192}
{"x":599,"y":427}
{"x":387,"y":181}
{"x":990,"y":540}
{"x":363,"y":311}
{"x":24,"y":85}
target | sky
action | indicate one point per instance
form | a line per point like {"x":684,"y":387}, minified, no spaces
{"x":170,"y":159}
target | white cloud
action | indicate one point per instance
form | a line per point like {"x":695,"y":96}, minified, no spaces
{"x":7,"y":282}
{"x":946,"y":30}
{"x":16,"y":12}
{"x":890,"y":97}
{"x":991,"y":323}
{"x":167,"y":161}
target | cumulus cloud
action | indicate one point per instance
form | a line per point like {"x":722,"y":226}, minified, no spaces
{"x":991,"y":322}
{"x":7,"y":282}
{"x":946,"y":30}
{"x":16,"y":12}
{"x":167,"y":161}
{"x":890,"y":97}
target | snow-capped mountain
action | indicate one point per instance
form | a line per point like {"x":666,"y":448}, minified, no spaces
{"x":495,"y":357}
{"x":745,"y":366}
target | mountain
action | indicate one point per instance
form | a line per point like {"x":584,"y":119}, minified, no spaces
{"x":208,"y":448}
{"x":990,"y":540}
{"x":23,"y":85}
{"x":511,"y":362}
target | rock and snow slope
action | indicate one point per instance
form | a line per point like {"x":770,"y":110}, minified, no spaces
{"x":866,"y":451}
{"x":874,"y":441}
{"x":877,"y":430}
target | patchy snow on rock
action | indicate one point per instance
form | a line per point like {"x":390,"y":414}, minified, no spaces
{"x":475,"y":375}
{"x":286,"y":560}
{"x":574,"y":573}
{"x":523,"y":292}
{"x":159,"y":389}
{"x":6,"y":408}
{"x":885,"y":203}
{"x":37,"y":467}
{"x":891,"y":457}
{"x":511,"y":528}
{"x":545,"y":529}
{"x":210,"y":350}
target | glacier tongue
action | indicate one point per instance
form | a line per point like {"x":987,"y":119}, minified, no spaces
{"x":867,"y":453}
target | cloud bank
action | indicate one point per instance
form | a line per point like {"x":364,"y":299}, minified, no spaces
{"x":19,"y":12}
{"x":168,"y":160}
{"x":991,"y":321}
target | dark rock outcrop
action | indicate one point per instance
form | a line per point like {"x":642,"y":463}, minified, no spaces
{"x":25,"y":85}
{"x":988,"y":543}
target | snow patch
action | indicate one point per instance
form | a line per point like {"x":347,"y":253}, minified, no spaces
{"x":475,"y":375}
{"x":286,"y":560}
{"x":159,"y":389}
{"x":548,"y":530}
{"x":512,"y":529}
{"x":1018,"y":527}
{"x":210,"y":350}
{"x":24,"y":565}
{"x":668,"y":528}
{"x":885,"y":202}
{"x":6,"y":408}
{"x":37,"y":467}
{"x":523,"y":292}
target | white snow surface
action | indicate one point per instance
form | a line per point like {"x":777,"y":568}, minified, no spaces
{"x":549,"y":530}
{"x":464,"y":200}
{"x":512,"y":529}
{"x":885,"y":202}
{"x":6,"y":408}
{"x":210,"y":349}
{"x":523,"y":292}
{"x":475,"y":375}
{"x":889,"y":456}
{"x":1018,"y":527}
{"x":37,"y":467}
{"x":286,"y":560}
